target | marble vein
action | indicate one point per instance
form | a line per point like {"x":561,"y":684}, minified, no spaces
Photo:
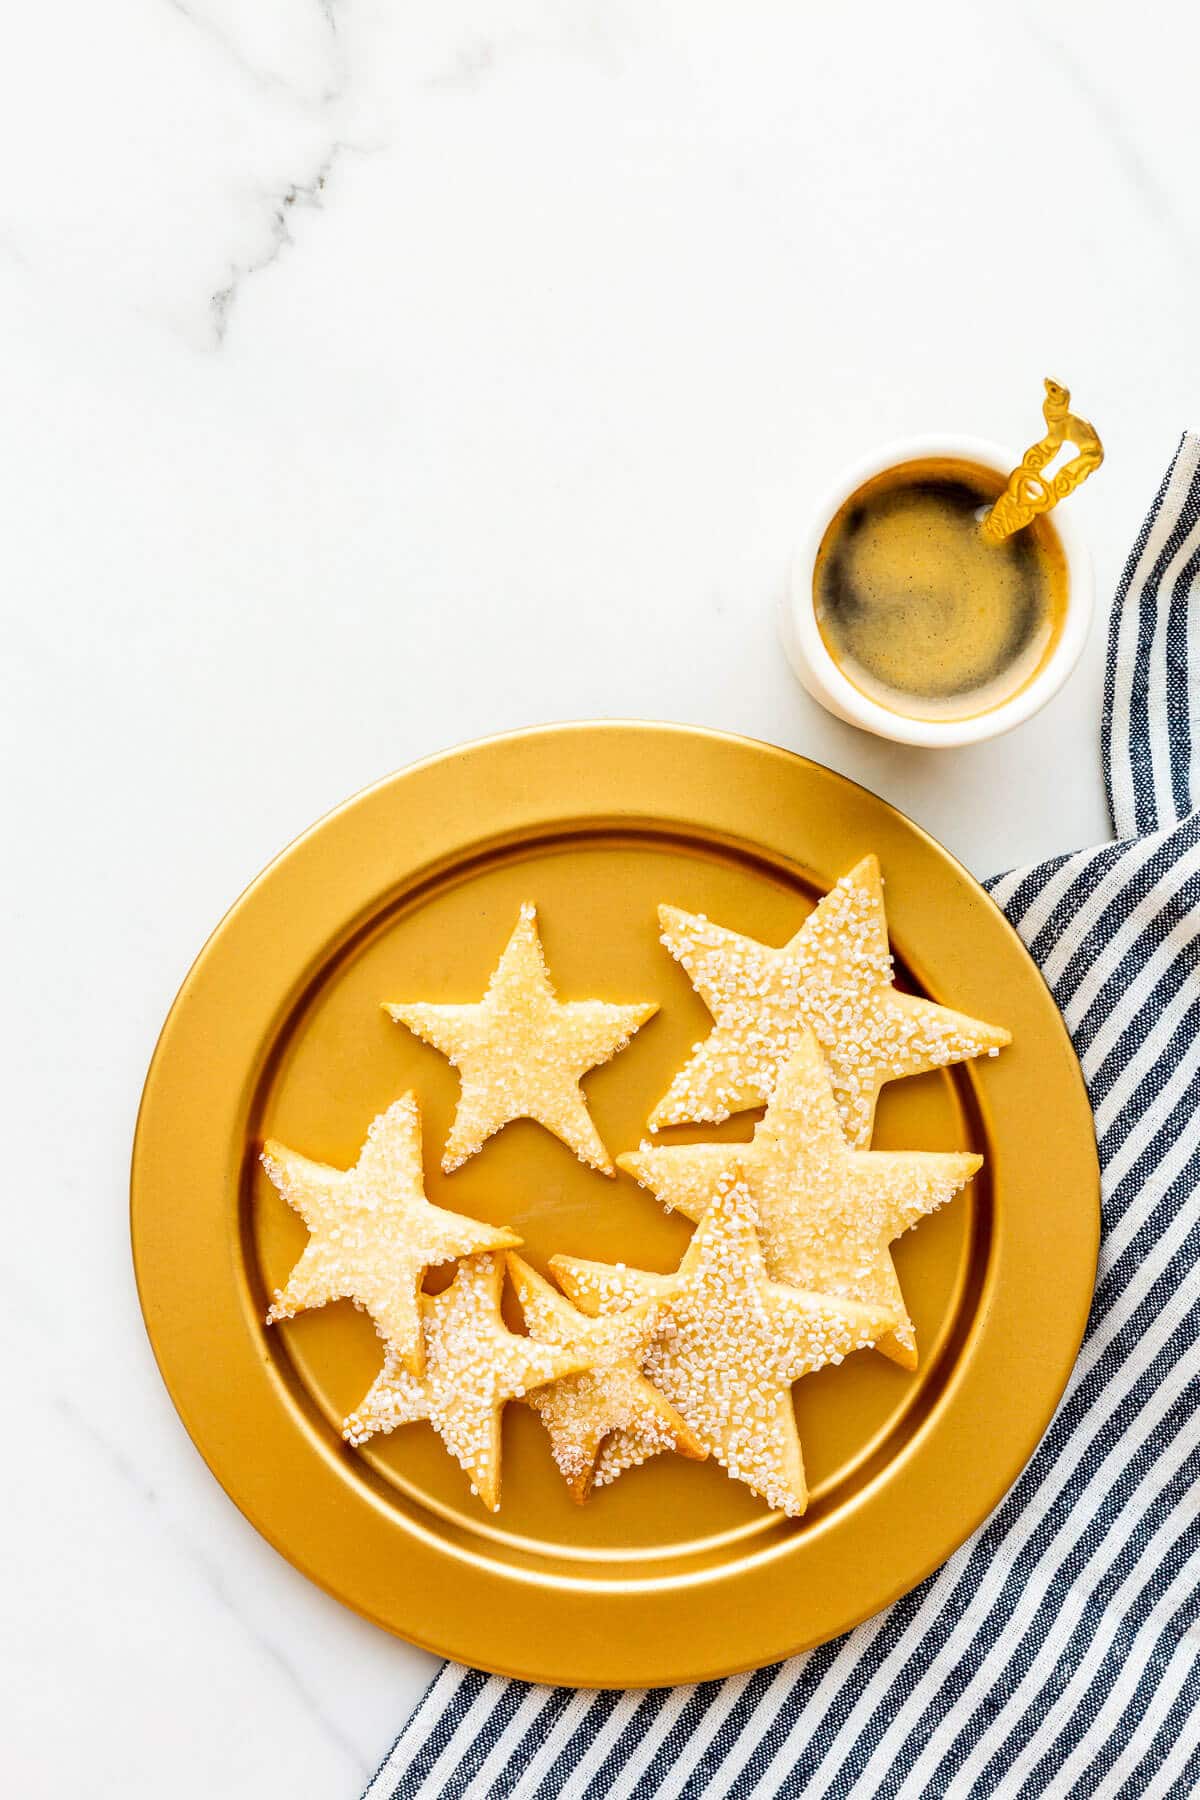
{"x":593,"y":42}
{"x":472,"y":64}
{"x":83,"y":1428}
{"x":299,"y":193}
{"x":1115,"y":127}
{"x":207,"y":27}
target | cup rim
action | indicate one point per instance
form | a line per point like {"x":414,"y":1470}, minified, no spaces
{"x":806,"y":646}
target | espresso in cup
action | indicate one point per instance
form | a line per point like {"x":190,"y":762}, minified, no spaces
{"x":919,"y":610}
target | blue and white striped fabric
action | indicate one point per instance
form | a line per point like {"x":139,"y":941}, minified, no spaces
{"x":1058,"y":1652}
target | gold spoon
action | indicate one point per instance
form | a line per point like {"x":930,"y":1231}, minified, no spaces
{"x":1028,"y":492}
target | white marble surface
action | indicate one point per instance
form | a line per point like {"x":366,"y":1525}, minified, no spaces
{"x":376,"y":376}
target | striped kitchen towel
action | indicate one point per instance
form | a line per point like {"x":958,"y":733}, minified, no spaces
{"x":1057,"y":1651}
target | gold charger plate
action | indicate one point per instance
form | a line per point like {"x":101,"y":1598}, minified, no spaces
{"x":410,"y":890}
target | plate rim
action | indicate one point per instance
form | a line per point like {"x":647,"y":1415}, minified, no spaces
{"x":553,"y":1663}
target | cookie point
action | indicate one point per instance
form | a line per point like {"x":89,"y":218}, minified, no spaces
{"x":523,"y":1277}
{"x":903,"y":1354}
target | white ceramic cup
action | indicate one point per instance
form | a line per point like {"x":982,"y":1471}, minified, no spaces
{"x":815,"y":668}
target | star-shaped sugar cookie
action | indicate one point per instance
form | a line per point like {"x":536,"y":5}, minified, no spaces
{"x":833,"y":977}
{"x":826,"y":1213}
{"x":520,"y":1052}
{"x":373,"y":1232}
{"x":733,"y":1341}
{"x":623,"y":1450}
{"x":580,"y":1412}
{"x":473,"y":1366}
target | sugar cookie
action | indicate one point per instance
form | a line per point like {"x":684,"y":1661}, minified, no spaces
{"x":580,"y":1412}
{"x":826,"y":1213}
{"x":834,"y":977}
{"x":520,"y":1052}
{"x":373,"y":1232}
{"x":733,"y":1341}
{"x":473,"y":1366}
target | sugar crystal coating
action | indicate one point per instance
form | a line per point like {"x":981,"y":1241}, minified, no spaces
{"x":473,"y":1366}
{"x":732,"y":1342}
{"x":373,"y":1233}
{"x":835,"y":978}
{"x":827,"y":1214}
{"x":520,"y":1052}
{"x":582,"y":1412}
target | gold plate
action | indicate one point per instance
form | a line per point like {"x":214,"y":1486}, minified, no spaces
{"x":410,"y":890}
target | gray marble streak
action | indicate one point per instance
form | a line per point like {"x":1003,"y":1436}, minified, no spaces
{"x":1117,"y":132}
{"x":27,"y":1304}
{"x":267,"y":79}
{"x":309,"y":193}
{"x":83,"y":1429}
{"x":597,"y":39}
{"x":472,"y":64}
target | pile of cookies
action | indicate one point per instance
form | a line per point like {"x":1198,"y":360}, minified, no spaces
{"x":789,"y":1267}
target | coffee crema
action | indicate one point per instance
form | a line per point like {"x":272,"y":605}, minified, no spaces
{"x":919,"y":611}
